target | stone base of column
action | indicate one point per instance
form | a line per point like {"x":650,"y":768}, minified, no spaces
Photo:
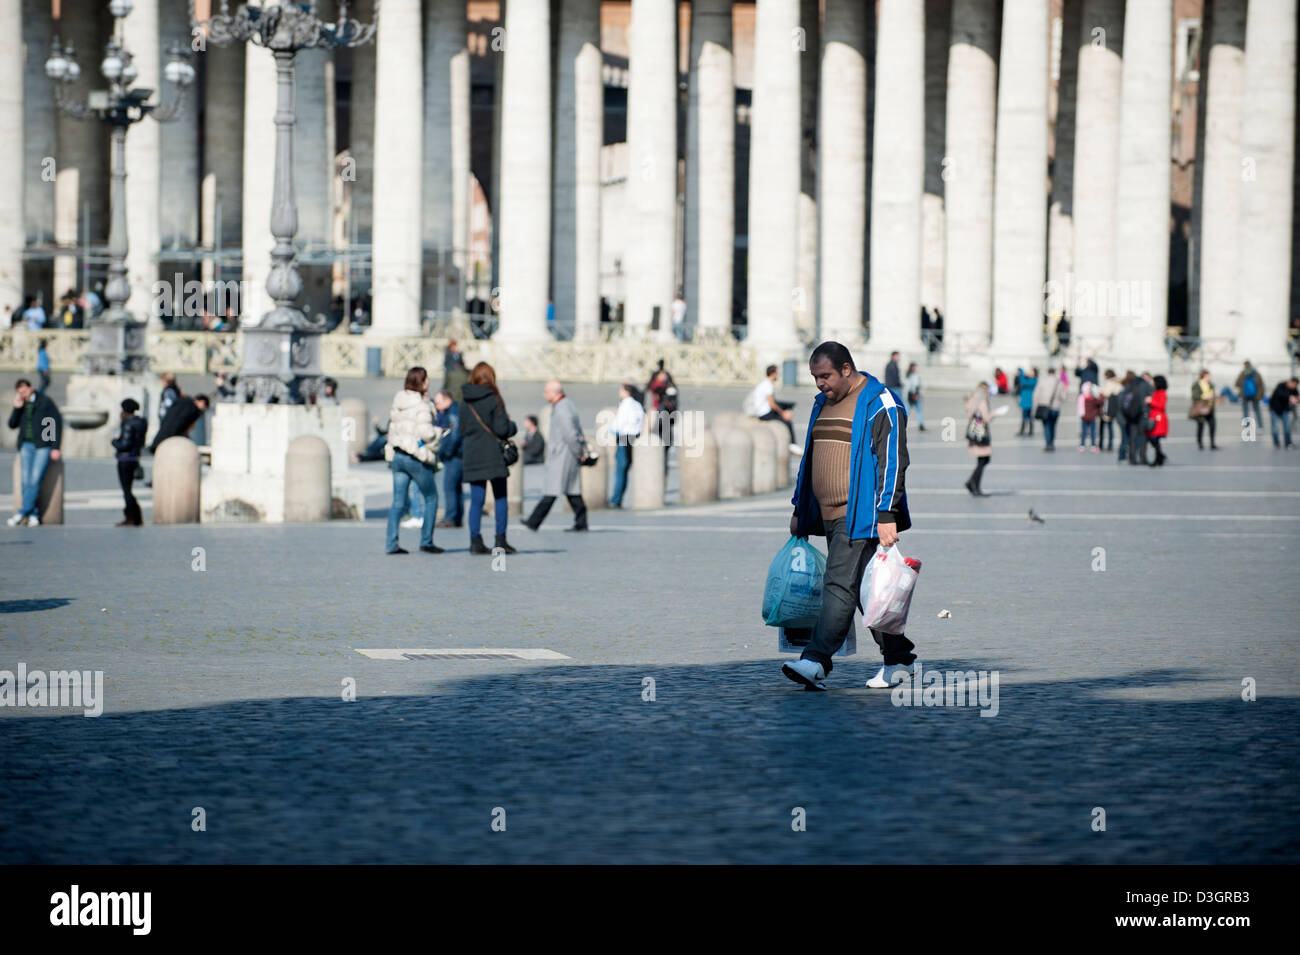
{"x":247,"y":479}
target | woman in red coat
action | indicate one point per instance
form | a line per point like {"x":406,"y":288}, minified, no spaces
{"x":1157,"y":419}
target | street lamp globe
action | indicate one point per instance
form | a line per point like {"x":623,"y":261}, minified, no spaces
{"x":56,"y":67}
{"x":129,"y":73}
{"x":177,"y":70}
{"x":73,"y":71}
{"x":120,"y":8}
{"x":112,"y":65}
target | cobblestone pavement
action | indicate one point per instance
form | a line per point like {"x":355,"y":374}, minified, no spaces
{"x":1120,"y":688}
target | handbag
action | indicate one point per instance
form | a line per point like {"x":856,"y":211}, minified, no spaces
{"x":509,"y":450}
{"x":1042,"y":412}
{"x":1200,"y":409}
{"x":977,"y":430}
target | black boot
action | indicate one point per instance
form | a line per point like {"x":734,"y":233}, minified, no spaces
{"x":505,"y":545}
{"x":476,"y":545}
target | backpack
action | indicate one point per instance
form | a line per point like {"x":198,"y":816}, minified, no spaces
{"x":1131,"y":405}
{"x":1248,"y":387}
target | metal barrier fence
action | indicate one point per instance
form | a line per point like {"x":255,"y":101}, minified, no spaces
{"x":346,"y":356}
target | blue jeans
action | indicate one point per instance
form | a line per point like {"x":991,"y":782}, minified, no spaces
{"x":478,"y":496}
{"x":914,"y":409}
{"x":1088,"y":433}
{"x":1285,"y":418}
{"x":1049,"y":427}
{"x":451,"y":490}
{"x":622,"y":458}
{"x":34,"y":462}
{"x":407,"y":470}
{"x":1107,"y":435}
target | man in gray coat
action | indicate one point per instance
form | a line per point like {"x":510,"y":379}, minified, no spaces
{"x":565,"y":448}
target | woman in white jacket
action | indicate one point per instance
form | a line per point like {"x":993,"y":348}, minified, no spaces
{"x":412,"y":449}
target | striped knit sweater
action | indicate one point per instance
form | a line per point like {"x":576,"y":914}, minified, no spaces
{"x":832,"y":433}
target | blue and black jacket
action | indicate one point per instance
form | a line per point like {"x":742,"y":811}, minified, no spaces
{"x":877,"y":463}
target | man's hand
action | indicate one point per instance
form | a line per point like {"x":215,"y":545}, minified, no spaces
{"x":888,"y":534}
{"x":54,"y":454}
{"x":794,"y":524}
{"x":785,"y":416}
{"x":18,"y":401}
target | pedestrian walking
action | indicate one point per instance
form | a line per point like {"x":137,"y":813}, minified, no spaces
{"x":1110,"y":392}
{"x":451,"y":454}
{"x":1133,"y":412}
{"x":912,"y":384}
{"x":628,"y":420}
{"x":534,"y":449}
{"x":1026,"y":383}
{"x":979,"y":441}
{"x":850,"y":490}
{"x":39,"y":425}
{"x":1157,"y":419}
{"x":565,"y":453}
{"x":1250,"y":386}
{"x":1089,"y":410}
{"x":892,"y":379}
{"x":1049,"y":398}
{"x":485,"y":427}
{"x":412,"y":454}
{"x":1281,"y":405}
{"x":43,"y":364}
{"x":170,"y":392}
{"x":129,"y":444}
{"x":1202,"y":409}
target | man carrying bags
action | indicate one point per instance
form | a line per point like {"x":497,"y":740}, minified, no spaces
{"x":851,"y":490}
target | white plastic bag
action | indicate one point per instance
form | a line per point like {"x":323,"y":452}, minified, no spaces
{"x":886,"y":593}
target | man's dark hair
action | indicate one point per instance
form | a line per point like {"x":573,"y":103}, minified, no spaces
{"x":769,"y":370}
{"x":130,"y":405}
{"x":20,"y":382}
{"x":203,"y":398}
{"x":331,"y":383}
{"x":533,"y":419}
{"x":833,"y":352}
{"x":29,"y":301}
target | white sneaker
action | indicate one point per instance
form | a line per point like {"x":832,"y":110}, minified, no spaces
{"x":15,"y":520}
{"x":796,"y":450}
{"x":33,"y":521}
{"x":807,"y":672}
{"x":413,"y":522}
{"x":887,"y":676}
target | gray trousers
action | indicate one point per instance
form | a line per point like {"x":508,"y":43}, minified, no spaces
{"x":846,"y":561}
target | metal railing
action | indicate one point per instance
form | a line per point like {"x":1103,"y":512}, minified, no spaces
{"x":1192,"y":352}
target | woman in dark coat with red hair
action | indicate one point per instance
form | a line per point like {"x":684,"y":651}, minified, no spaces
{"x":1157,"y":418}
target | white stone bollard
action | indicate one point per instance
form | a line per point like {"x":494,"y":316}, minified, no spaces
{"x":735,"y":463}
{"x":176,"y":482}
{"x":307,"y":494}
{"x":727,"y":419}
{"x":782,"y":438}
{"x":647,"y":471}
{"x":699,"y":469}
{"x":356,"y":425}
{"x":514,"y":487}
{"x":764,"y":457}
{"x":595,"y":491}
{"x":49,"y":500}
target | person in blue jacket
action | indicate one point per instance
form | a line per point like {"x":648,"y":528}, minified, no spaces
{"x":1026,"y":383}
{"x":851,"y":490}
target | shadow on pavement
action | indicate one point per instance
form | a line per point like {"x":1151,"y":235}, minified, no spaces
{"x":709,"y":772}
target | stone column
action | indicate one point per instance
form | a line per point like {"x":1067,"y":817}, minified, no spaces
{"x":652,"y":164}
{"x":806,"y":298}
{"x":1020,"y":188}
{"x":313,"y":169}
{"x":968,"y":204}
{"x":896,"y":177}
{"x":938,"y":16}
{"x":843,"y":156}
{"x":711,"y":168}
{"x":1224,"y":74}
{"x":259,"y":182}
{"x":525,"y":173}
{"x":143,"y":164}
{"x":446,"y":149}
{"x":1268,"y":151}
{"x":1096,"y":169}
{"x":1060,"y":227}
{"x":82,"y":156}
{"x":37,"y":133}
{"x":1142,"y":228}
{"x":180,"y":161}
{"x":361,"y":123}
{"x":221,"y":192}
{"x":12,"y":229}
{"x":579,"y":135}
{"x":774,"y":178}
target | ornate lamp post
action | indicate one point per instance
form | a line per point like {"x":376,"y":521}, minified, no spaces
{"x":281,"y":356}
{"x":116,"y":337}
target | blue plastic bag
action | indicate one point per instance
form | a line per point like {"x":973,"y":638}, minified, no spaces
{"x":793,"y":594}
